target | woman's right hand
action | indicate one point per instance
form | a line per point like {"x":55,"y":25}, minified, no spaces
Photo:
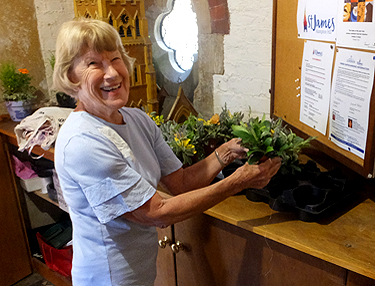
{"x":257,"y":176}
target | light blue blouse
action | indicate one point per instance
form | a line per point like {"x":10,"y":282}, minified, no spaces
{"x":106,"y":170}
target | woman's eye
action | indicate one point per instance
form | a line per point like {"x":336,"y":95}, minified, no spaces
{"x":116,"y":58}
{"x":92,"y":63}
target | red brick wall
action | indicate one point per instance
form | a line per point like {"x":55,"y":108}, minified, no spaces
{"x":219,"y":16}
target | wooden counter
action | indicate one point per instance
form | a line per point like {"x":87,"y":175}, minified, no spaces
{"x":346,"y":239}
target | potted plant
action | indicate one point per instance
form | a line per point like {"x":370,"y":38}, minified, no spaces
{"x":17,"y":90}
{"x":269,"y":138}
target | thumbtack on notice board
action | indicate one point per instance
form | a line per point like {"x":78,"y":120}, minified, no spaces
{"x":298,"y":95}
{"x":297,"y":80}
{"x":298,"y":87}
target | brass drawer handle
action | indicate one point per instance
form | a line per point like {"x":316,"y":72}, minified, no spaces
{"x":164,"y":242}
{"x":176,"y":247}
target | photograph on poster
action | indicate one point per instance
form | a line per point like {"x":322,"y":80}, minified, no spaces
{"x":356,"y":25}
{"x":358,"y":11}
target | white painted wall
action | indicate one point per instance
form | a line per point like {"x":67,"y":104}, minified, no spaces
{"x":50,"y":16}
{"x":247,"y":59}
{"x":247,"y":52}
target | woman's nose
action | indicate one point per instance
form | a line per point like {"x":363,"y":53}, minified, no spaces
{"x":110,"y":72}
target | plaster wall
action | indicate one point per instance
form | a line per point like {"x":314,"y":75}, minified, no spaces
{"x":247,"y":59}
{"x":19,"y":41}
{"x":50,"y":16}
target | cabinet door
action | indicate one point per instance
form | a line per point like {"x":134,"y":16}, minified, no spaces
{"x":166,"y":275}
{"x":355,"y":279}
{"x":15,"y":261}
{"x":219,"y":254}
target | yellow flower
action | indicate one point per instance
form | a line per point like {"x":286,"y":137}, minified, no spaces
{"x":215,"y":119}
{"x":23,"y":71}
{"x":272,"y":131}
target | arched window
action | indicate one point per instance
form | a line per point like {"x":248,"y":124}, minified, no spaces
{"x":138,"y":32}
{"x":129,"y":32}
{"x":121,"y":31}
{"x":178,"y":34}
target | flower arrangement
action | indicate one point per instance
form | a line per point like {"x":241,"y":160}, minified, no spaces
{"x":196,"y":138}
{"x":16,"y":83}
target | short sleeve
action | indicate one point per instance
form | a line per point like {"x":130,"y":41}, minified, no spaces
{"x":109,"y":184}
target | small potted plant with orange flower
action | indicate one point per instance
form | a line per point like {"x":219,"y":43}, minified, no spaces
{"x":17,"y":90}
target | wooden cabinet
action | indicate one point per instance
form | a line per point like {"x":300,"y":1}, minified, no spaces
{"x":15,"y":259}
{"x":220,"y":254}
{"x":165,"y":263}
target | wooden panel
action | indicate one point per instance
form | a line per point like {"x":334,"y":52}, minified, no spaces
{"x":220,"y":254}
{"x":15,"y":261}
{"x":287,"y":61}
{"x":165,"y":262}
{"x":344,"y":238}
{"x":355,"y":279}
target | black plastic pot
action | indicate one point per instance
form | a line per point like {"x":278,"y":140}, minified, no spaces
{"x":65,"y":100}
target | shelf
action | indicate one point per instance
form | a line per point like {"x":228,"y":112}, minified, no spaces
{"x":45,"y":197}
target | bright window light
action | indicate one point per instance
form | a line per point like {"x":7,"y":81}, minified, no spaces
{"x":179,"y":32}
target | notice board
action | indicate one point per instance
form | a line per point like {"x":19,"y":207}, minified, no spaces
{"x":287,"y":54}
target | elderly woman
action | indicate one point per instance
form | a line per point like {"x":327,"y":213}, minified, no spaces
{"x":110,"y":159}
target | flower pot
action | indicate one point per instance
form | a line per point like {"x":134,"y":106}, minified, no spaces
{"x":18,"y":110}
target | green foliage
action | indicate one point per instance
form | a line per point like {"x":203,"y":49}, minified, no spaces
{"x":15,"y":83}
{"x":158,"y":119}
{"x":176,"y":136}
{"x":52,"y":61}
{"x":268,"y":138}
{"x":196,"y":137}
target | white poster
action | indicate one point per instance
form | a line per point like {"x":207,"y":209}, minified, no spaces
{"x":316,"y":19}
{"x":350,"y":99}
{"x":316,"y":77}
{"x":355,"y":25}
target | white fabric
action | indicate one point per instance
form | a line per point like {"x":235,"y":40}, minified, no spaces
{"x":40,"y":128}
{"x":106,"y":170}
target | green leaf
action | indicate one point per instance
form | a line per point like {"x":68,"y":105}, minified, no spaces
{"x":256,"y":150}
{"x":252,"y":131}
{"x":269,"y":149}
{"x":268,"y":142}
{"x":243,"y":133}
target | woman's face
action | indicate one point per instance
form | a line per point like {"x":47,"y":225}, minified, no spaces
{"x":104,"y":81}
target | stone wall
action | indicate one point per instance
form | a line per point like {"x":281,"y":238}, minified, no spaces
{"x":235,"y":43}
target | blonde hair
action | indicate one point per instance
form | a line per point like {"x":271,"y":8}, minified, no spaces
{"x":74,"y":39}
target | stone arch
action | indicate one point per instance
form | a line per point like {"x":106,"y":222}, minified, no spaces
{"x":213,"y":24}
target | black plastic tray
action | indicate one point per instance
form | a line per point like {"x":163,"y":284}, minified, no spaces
{"x":310,"y":194}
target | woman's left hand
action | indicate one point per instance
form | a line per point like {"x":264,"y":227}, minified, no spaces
{"x":231,"y":150}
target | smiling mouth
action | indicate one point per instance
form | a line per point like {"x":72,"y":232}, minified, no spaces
{"x":111,"y":88}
